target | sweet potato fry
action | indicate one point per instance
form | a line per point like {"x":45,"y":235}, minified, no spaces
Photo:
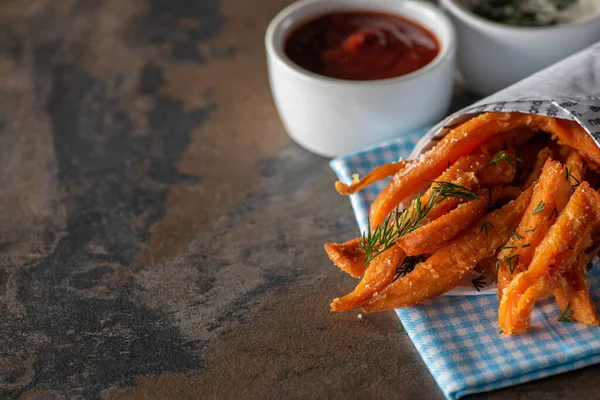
{"x":573,"y":288}
{"x":512,"y":139}
{"x":380,"y":273}
{"x":431,"y":236}
{"x":463,"y":140}
{"x":351,"y":258}
{"x":558,"y":251}
{"x":550,"y":195}
{"x":575,"y":168}
{"x":573,"y":291}
{"x":456,"y":144}
{"x":540,"y":160}
{"x":463,"y":173}
{"x":500,"y":170}
{"x":447,"y":266}
{"x":348,"y":257}
{"x":574,"y":136}
{"x":379,"y":173}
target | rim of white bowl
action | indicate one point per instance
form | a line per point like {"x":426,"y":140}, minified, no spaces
{"x":447,"y":43}
{"x":464,"y":13}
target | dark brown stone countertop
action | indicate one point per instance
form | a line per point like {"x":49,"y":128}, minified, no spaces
{"x":160,"y":235}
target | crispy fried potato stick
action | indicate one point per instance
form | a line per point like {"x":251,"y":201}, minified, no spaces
{"x":431,"y":236}
{"x":447,"y":266}
{"x":541,"y":158}
{"x":348,"y":257}
{"x":550,"y":195}
{"x":573,"y":289}
{"x":463,"y":140}
{"x":512,"y":139}
{"x":463,"y":173}
{"x":558,"y":251}
{"x":499,"y":172}
{"x":380,"y":273}
{"x":379,"y":173}
{"x":573,"y":135}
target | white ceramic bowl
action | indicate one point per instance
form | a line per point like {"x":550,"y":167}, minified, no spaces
{"x":492,"y":56}
{"x":331,"y":116}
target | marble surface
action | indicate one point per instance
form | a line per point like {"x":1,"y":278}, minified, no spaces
{"x":160,"y":235}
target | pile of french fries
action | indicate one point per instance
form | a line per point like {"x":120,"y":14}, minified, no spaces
{"x":504,"y":196}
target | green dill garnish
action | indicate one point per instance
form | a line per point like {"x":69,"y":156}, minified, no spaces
{"x":504,"y":156}
{"x":520,"y":12}
{"x":382,"y":235}
{"x":554,"y":212}
{"x":515,"y":234}
{"x":507,"y":247}
{"x":399,"y":223}
{"x":512,"y":262}
{"x":498,"y":265}
{"x":539,"y":208}
{"x":531,"y":230}
{"x":449,"y":189}
{"x":570,"y":175}
{"x":484,"y":227}
{"x":501,"y":332}
{"x":408,"y":265}
{"x":401,"y":328}
{"x":526,"y":245}
{"x":566,"y":315}
{"x":479,"y":282}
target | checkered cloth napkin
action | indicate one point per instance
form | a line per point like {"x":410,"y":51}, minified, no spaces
{"x":458,"y":336}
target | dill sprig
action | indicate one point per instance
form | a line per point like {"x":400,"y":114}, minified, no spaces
{"x":541,"y":205}
{"x":554,"y":212}
{"x":484,"y":227}
{"x":400,"y":327}
{"x":449,"y":189}
{"x":515,"y":234}
{"x":570,"y":175}
{"x":399,"y":223}
{"x":531,"y":230}
{"x":566,"y":315}
{"x":479,"y":282}
{"x":504,"y":156}
{"x":408,"y":265}
{"x":512,"y":262}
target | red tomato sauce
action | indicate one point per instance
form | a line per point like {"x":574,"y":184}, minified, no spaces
{"x":361,"y":45}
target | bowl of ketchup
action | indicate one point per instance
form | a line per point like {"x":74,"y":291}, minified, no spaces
{"x":346,"y":74}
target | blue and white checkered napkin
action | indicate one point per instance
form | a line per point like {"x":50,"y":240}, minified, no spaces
{"x":458,"y":337}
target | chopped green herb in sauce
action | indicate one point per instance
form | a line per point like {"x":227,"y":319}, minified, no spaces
{"x":530,"y":13}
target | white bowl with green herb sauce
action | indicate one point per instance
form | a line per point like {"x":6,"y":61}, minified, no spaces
{"x":501,"y":42}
